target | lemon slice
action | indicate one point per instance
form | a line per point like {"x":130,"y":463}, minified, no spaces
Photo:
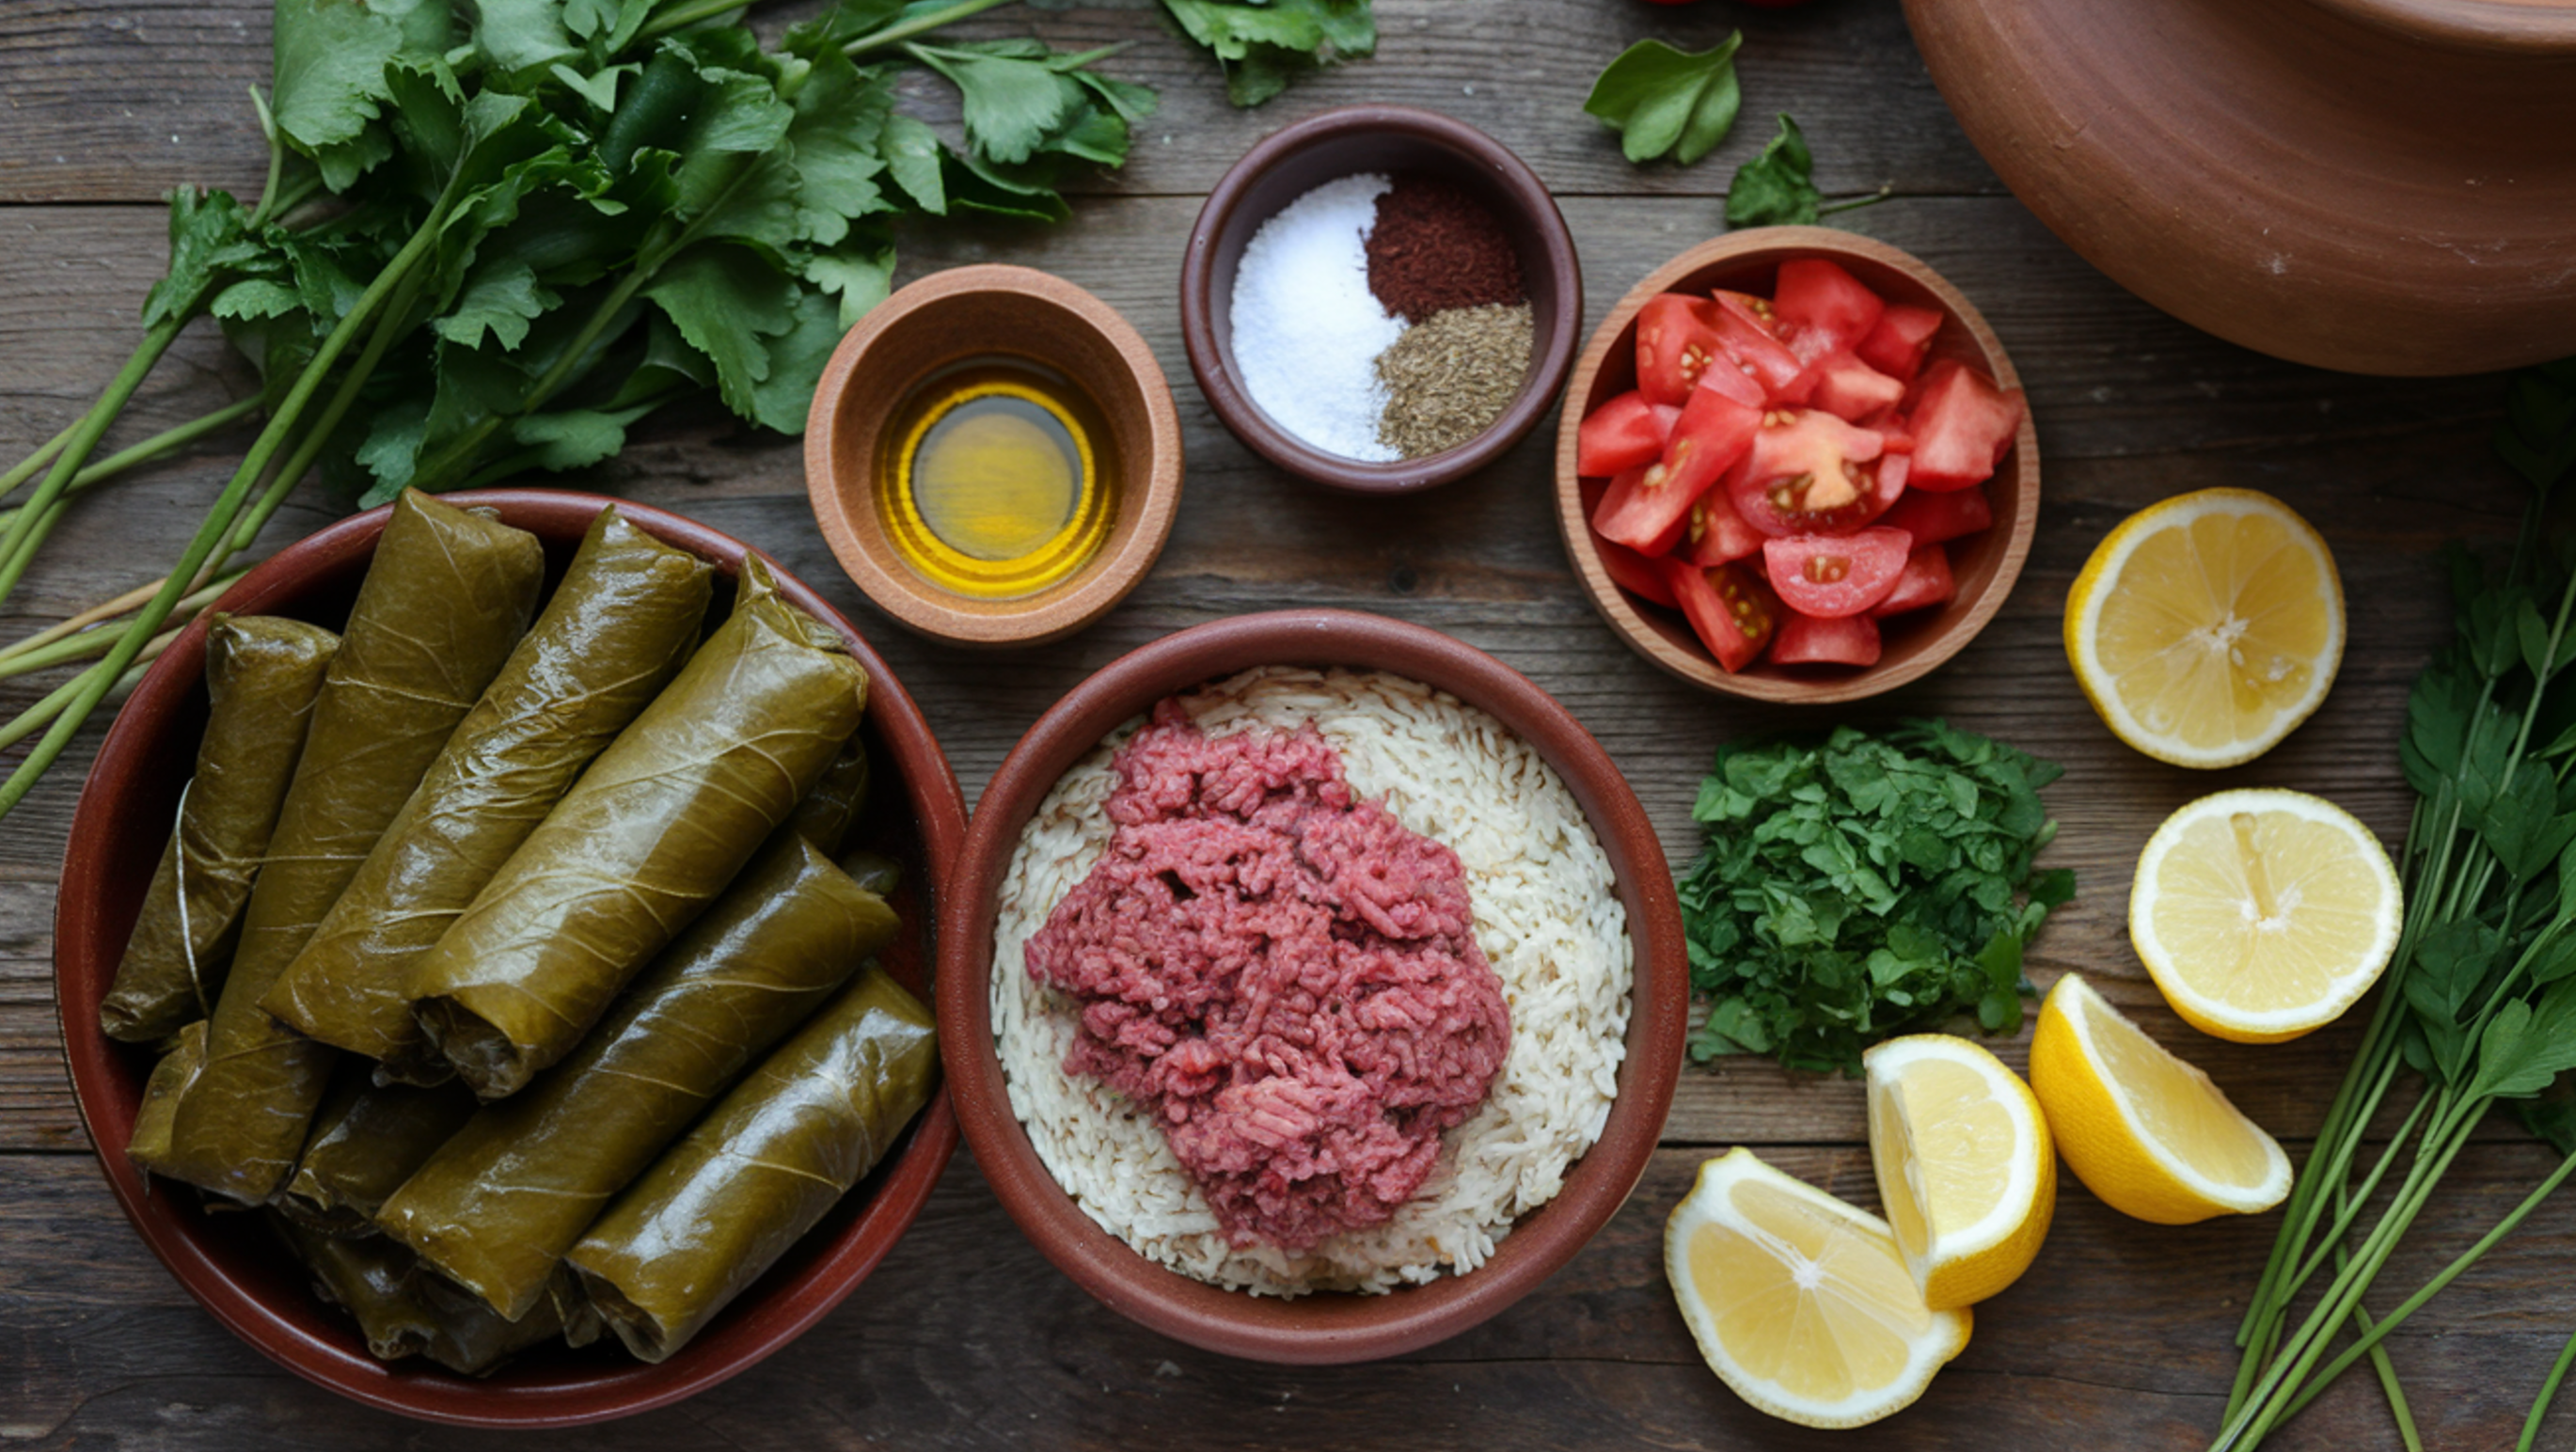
{"x":2205,"y":628}
{"x":1965,"y":1166}
{"x":2263,"y":914}
{"x":1800,"y":1302}
{"x":2143,"y":1130}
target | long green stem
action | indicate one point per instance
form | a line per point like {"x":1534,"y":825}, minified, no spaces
{"x":2530,"y":1437}
{"x":177,"y":436}
{"x":96,"y":642}
{"x":30,"y":466}
{"x":219,"y":522}
{"x":27,"y":722}
{"x":85,"y":437}
{"x":2353,"y":1201}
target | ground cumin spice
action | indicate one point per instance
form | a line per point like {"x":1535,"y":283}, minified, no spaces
{"x":1436,"y":247}
{"x":1449,"y":377}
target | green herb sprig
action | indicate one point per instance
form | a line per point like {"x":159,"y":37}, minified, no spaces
{"x":2479,"y":1004}
{"x":1863,"y":887}
{"x":1664,"y":101}
{"x":1777,"y":188}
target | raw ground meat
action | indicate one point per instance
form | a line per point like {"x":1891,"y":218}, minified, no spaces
{"x":1289,"y":978}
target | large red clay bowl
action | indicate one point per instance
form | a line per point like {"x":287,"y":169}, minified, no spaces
{"x":1323,"y":1328}
{"x":229,"y":1263}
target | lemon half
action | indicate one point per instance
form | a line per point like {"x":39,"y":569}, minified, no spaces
{"x":2206,"y":628}
{"x":1802,"y":1304}
{"x":1965,"y":1165}
{"x":2145,"y":1131}
{"x":2263,"y":914}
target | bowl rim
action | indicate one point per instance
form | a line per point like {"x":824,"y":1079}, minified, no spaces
{"x":429,"y":1393}
{"x":1245,"y":418}
{"x":1751,"y":247}
{"x":1033,"y":619}
{"x":1325,"y":1328}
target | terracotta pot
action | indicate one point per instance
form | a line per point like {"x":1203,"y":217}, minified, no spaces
{"x":2380,"y":186}
{"x":230,"y":1263}
{"x":1330,"y":1327}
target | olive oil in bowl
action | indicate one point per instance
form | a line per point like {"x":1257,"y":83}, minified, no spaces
{"x":996,"y":480}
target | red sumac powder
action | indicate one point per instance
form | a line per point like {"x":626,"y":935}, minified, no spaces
{"x":1436,"y":247}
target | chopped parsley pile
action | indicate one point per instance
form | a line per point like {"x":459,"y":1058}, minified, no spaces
{"x":1864,"y":887}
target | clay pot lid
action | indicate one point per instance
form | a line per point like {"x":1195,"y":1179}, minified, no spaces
{"x":230,"y":1263}
{"x":1331,"y":1327}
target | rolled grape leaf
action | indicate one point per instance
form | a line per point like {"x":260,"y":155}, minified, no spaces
{"x":874,"y":871}
{"x":621,"y":623}
{"x":262,"y":674}
{"x":161,"y":1094}
{"x":835,"y":804}
{"x":760,"y":1169}
{"x":652,"y":833}
{"x":499,"y":1203}
{"x":446,"y":597}
{"x":405,"y":1310}
{"x":368,"y":1139}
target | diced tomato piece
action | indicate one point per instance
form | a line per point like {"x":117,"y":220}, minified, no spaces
{"x":1895,"y":435}
{"x":1634,"y":573}
{"x":1962,"y":426}
{"x":1730,"y":609}
{"x":1713,"y":432}
{"x":1676,"y":337}
{"x":1849,"y":389}
{"x":1938,"y":517}
{"x":1717,"y":534}
{"x":1621,"y":434}
{"x":1808,"y":473}
{"x":1850,"y":640}
{"x":1925,"y":581}
{"x":1822,"y":309}
{"x":1897,"y":345}
{"x":1836,"y":574}
{"x":1638,"y":513}
{"x":1744,"y":330}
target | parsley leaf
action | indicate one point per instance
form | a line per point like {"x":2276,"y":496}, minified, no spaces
{"x":1863,"y":887}
{"x":1265,"y":44}
{"x":1661,"y":100}
{"x":1774,"y":189}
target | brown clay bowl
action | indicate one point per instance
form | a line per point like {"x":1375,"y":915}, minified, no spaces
{"x":1324,"y":1328}
{"x":230,"y":1263}
{"x":2379,"y":186}
{"x":956,"y":316}
{"x":1985,"y":565}
{"x":1295,"y":160}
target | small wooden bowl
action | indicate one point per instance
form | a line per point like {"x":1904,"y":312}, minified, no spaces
{"x":230,"y":1263}
{"x":953,"y":317}
{"x":1337,"y":143}
{"x":1331,"y":1327}
{"x":1985,"y":565}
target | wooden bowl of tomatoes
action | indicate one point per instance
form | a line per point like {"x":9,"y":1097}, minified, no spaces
{"x":1794,"y":464}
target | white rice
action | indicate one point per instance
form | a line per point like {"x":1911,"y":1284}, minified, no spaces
{"x":1548,"y":918}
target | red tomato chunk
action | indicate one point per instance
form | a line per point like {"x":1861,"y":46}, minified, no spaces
{"x":1850,"y":640}
{"x":1925,"y":582}
{"x":1829,"y":575}
{"x":1622,"y":434}
{"x":1962,"y":426}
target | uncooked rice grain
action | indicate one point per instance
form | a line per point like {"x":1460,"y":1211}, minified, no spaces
{"x":1548,"y":918}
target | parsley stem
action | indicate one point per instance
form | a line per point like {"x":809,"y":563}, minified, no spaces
{"x":2354,"y":1198}
{"x":34,"y":464}
{"x":25,"y":723}
{"x":85,"y":436}
{"x":133,"y":454}
{"x":923,"y":24}
{"x":2530,"y":1437}
{"x":19,"y":662}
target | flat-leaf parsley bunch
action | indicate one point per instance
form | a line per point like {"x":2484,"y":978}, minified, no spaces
{"x":1859,"y":888}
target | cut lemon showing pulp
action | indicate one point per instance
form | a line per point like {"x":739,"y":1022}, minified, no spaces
{"x":2143,"y":1130}
{"x":1964,"y":1165}
{"x":2263,"y":914}
{"x":2205,"y":628}
{"x":1800,"y":1302}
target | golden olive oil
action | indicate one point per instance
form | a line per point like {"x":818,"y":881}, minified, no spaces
{"x":994,"y":480}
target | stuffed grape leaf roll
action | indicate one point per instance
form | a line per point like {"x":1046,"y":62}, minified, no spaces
{"x":446,"y":597}
{"x":501,"y":1201}
{"x":262,"y":673}
{"x":764,"y":1165}
{"x":368,"y":1139}
{"x":651,"y":834}
{"x":620,"y":624}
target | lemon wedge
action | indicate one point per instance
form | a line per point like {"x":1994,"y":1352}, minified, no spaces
{"x":1965,"y":1166}
{"x":1801,"y":1303}
{"x":2205,"y":628}
{"x":2263,"y":914}
{"x":2145,"y":1131}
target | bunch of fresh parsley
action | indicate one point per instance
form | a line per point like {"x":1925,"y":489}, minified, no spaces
{"x":1862,"y":887}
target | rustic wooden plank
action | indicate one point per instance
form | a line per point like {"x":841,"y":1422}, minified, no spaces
{"x":122,"y":101}
{"x":966,"y":1338}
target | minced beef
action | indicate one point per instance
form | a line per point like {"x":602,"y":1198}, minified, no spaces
{"x":1288,"y":977}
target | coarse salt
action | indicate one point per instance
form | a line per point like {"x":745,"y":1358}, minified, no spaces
{"x":1307,"y":330}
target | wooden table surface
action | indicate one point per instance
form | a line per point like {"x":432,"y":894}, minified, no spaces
{"x":2119,"y":1336}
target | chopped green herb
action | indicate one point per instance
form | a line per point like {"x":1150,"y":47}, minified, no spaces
{"x":1774,"y":189}
{"x":1661,"y":100}
{"x":1864,"y":887}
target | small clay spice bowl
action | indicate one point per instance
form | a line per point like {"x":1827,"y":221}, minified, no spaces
{"x":1020,"y":317}
{"x":1395,"y":140}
